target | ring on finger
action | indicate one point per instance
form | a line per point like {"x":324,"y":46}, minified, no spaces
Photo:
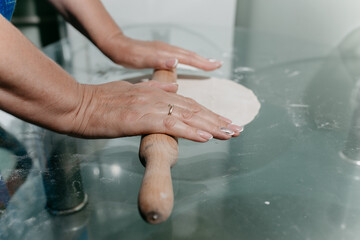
{"x":171,"y":108}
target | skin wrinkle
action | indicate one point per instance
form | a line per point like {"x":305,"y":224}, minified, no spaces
{"x":104,"y":101}
{"x":79,"y":110}
{"x":169,"y":123}
{"x":187,"y":115}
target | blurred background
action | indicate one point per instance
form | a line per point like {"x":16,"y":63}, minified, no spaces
{"x":322,"y":21}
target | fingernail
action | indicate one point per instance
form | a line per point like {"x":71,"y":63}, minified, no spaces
{"x":176,"y":86}
{"x":219,"y":63}
{"x":236,"y":128}
{"x":172,"y":63}
{"x":205,"y":135}
{"x":227,"y":131}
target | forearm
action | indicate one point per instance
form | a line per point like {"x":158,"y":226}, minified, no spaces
{"x":33,"y":87}
{"x":91,"y":19}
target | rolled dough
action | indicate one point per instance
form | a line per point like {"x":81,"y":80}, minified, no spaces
{"x":222,"y":96}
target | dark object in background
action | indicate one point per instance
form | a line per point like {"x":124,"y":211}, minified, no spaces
{"x":38,"y":21}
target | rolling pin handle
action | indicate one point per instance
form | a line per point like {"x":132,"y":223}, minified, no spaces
{"x":158,"y":153}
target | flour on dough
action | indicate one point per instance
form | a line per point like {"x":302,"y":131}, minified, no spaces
{"x":222,"y":96}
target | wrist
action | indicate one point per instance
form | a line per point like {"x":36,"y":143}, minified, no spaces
{"x":82,"y":110}
{"x":113,"y":45}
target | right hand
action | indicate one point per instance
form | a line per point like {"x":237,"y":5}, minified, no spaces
{"x":134,"y":53}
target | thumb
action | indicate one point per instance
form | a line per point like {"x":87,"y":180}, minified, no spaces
{"x":171,"y":63}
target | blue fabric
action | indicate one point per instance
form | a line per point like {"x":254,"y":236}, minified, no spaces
{"x":4,"y":194}
{"x":7,"y":8}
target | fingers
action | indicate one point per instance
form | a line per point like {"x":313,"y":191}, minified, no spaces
{"x":187,"y":59}
{"x":197,"y":124}
{"x":200,"y":62}
{"x":195,"y":60}
{"x":161,"y":62}
{"x":187,"y":111}
{"x":171,"y":63}
{"x":219,"y":127}
{"x":191,"y":59}
{"x":192,"y":114}
{"x":184,"y":56}
{"x":173,"y":126}
{"x":158,"y":123}
{"x":159,"y":55}
{"x":166,"y":56}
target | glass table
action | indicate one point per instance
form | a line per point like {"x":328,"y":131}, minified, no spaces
{"x":294,"y":173}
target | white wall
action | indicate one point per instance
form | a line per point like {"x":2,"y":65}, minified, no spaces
{"x":322,"y":21}
{"x":189,"y":14}
{"x":184,"y":12}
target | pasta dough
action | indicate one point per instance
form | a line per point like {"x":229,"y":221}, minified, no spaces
{"x":222,"y":96}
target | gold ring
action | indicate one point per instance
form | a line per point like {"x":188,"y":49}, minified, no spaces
{"x":171,"y":108}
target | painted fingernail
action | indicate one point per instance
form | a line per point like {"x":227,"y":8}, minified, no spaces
{"x":172,"y":63}
{"x":205,"y":135}
{"x":236,"y":128}
{"x":227,"y":131}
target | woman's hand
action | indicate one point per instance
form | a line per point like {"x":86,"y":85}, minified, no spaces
{"x":120,"y":109}
{"x":133,"y":53}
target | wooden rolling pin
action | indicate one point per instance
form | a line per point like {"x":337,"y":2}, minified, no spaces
{"x":158,"y":153}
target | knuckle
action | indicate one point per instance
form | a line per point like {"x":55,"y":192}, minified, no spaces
{"x":191,"y":101}
{"x":169,"y":123}
{"x":193,"y":105}
{"x":186,"y":114}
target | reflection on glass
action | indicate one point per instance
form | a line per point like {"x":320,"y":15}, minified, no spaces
{"x":15,"y":154}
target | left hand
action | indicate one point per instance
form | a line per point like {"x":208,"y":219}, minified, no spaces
{"x":121,"y":109}
{"x":133,"y":53}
